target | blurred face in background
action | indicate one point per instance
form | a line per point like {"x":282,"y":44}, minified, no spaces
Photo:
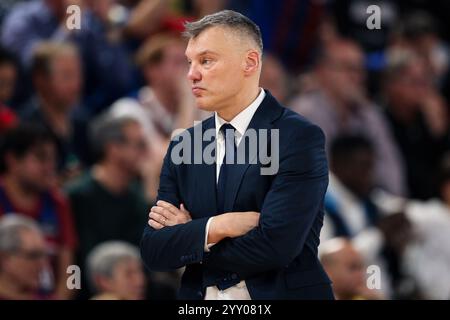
{"x":342,"y":71}
{"x":167,"y":73}
{"x":407,"y":89}
{"x":132,"y":152}
{"x":36,"y":170}
{"x":61,"y":84}
{"x":356,"y":172}
{"x":346,"y":270}
{"x":127,"y":281}
{"x":8,"y":75}
{"x":65,"y":80}
{"x":24,"y":266}
{"x":274,"y":78}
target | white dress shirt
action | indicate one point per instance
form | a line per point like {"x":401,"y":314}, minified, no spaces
{"x":240,"y":123}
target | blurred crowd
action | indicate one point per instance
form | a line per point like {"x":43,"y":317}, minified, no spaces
{"x":86,"y":116}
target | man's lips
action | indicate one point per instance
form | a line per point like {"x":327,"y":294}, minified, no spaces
{"x":197,"y":91}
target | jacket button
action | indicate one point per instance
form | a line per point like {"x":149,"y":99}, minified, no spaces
{"x":234,"y":276}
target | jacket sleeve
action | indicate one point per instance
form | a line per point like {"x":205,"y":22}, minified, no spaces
{"x":172,"y":247}
{"x":288,"y":212}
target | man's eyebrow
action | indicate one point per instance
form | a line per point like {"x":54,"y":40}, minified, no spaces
{"x":204,"y":52}
{"x":207,"y":52}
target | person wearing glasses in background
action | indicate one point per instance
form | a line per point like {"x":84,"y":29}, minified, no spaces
{"x":23,"y":258}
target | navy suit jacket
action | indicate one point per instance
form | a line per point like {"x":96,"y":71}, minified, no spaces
{"x":277,"y":259}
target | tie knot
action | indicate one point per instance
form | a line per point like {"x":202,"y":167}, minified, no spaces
{"x":227,"y":127}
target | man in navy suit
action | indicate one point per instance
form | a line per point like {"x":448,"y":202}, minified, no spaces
{"x":243,"y":229}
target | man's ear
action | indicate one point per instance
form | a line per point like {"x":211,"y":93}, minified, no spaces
{"x":252,"y":62}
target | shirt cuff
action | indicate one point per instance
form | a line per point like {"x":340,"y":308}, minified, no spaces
{"x":208,"y":245}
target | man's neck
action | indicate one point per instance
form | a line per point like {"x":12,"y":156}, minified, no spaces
{"x":56,"y":115}
{"x":111,"y":177}
{"x":18,"y":193}
{"x":238,"y":104}
{"x":10,"y":290}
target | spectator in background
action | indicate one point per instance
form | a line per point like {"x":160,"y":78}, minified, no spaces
{"x":417,"y":117}
{"x":8,"y":75}
{"x":275,"y":78}
{"x":290,"y":29}
{"x":23,"y":258}
{"x":166,"y":103}
{"x":340,"y":106}
{"x":346,"y":269}
{"x":166,"y":99}
{"x":57,"y":80}
{"x":107,"y":201}
{"x":115,"y":271}
{"x":27,"y":167}
{"x":106,"y":63}
{"x":428,"y":258}
{"x":419,"y":32}
{"x":372,"y":218}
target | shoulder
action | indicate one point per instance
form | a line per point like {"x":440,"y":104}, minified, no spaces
{"x":79,"y":185}
{"x":197,"y":128}
{"x":295,"y":126}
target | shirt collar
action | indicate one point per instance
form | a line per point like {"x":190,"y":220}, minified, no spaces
{"x":242,"y":120}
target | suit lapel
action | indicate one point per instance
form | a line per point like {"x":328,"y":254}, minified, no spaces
{"x":206,"y":174}
{"x":267,"y":112}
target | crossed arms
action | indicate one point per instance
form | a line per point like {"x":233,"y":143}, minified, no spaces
{"x":247,"y":243}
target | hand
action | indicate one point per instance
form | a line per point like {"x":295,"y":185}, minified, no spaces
{"x":232,"y":225}
{"x":397,"y":231}
{"x":435,"y":111}
{"x":165,"y":214}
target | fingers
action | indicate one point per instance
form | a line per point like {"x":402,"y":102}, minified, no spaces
{"x":155,"y":225}
{"x":162,"y":211}
{"x":168,"y":206}
{"x":159,"y":219}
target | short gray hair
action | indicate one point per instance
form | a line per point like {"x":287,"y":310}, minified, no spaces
{"x":10,"y":227}
{"x":102,"y":260}
{"x":226,"y":18}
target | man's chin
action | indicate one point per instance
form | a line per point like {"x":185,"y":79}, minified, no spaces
{"x":204,"y":104}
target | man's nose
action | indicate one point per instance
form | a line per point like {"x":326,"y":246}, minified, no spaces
{"x":193,"y":74}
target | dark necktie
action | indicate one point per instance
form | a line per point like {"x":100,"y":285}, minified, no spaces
{"x":228,"y":132}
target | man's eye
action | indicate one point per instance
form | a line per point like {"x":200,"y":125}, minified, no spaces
{"x":206,"y":61}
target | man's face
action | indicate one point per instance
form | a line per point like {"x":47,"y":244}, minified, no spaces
{"x":347,"y":272}
{"x":128,"y":280}
{"x":172,"y":67}
{"x":36,"y":170}
{"x":411,"y":86}
{"x":8,"y":76}
{"x":216,"y":73}
{"x":357,"y":173}
{"x":65,"y":80}
{"x":25,"y":265}
{"x":133,"y":151}
{"x":343,"y":72}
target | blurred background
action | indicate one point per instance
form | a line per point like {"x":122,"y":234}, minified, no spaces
{"x":86,"y":116}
